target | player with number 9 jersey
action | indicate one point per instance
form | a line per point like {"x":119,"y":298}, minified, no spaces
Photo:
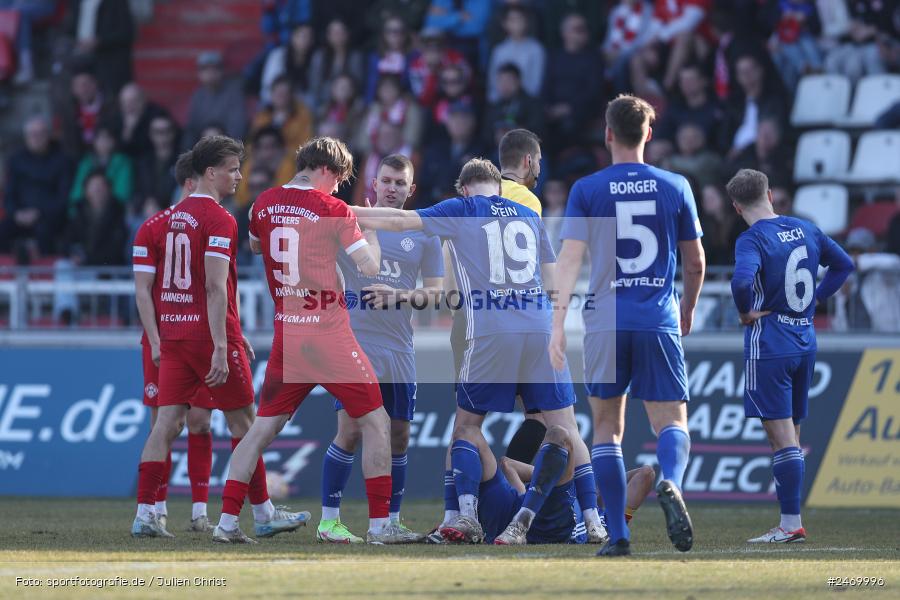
{"x":299,"y":231}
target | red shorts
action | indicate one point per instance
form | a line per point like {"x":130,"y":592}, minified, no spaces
{"x":202,"y":399}
{"x":334,"y":361}
{"x":183,"y":366}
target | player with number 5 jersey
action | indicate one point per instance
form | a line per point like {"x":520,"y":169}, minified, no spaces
{"x":774,"y":289}
{"x":633,"y":219}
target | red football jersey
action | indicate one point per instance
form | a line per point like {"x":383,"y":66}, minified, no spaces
{"x":194,"y":229}
{"x":301,"y":230}
{"x":146,"y":251}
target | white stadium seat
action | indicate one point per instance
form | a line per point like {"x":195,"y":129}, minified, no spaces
{"x":877,"y":158}
{"x":821,"y":100}
{"x":825,"y":205}
{"x":822,"y":155}
{"x":874,"y":95}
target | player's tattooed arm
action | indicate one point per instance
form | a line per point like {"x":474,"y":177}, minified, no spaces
{"x":143,"y":295}
{"x":389,"y":219}
{"x":368,"y":258}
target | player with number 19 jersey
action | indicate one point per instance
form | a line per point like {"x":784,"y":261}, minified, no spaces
{"x":497,"y":248}
{"x":653,"y":211}
{"x":300,"y":231}
{"x":198,"y":227}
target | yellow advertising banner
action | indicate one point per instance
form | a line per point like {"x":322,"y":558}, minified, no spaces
{"x":862,"y":464}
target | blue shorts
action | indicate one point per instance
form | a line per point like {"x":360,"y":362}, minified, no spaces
{"x":558,"y":522}
{"x":396,"y":372}
{"x":778,"y":388}
{"x":648,"y":365}
{"x":496,"y":368}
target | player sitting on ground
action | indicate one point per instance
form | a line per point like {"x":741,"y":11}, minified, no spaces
{"x":299,"y":228}
{"x":200,"y":331}
{"x":501,"y":255}
{"x":381,"y":323}
{"x":774,"y":287}
{"x":147,"y":290}
{"x":514,"y":494}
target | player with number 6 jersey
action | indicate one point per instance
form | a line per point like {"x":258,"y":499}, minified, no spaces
{"x":775,"y":292}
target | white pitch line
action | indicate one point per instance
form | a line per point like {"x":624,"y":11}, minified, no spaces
{"x":762,"y":549}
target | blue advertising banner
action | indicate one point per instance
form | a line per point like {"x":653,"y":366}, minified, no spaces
{"x":72,"y":424}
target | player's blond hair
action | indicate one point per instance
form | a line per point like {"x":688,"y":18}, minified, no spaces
{"x":326,"y":152}
{"x":748,"y":187}
{"x":477,"y":170}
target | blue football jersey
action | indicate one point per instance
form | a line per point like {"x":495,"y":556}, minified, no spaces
{"x":784,"y":254}
{"x":497,"y":248}
{"x":653,"y":211}
{"x":404,"y":255}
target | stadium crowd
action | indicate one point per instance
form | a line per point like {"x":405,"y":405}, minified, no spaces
{"x":440,"y":81}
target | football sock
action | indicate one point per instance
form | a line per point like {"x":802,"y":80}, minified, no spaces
{"x":264,"y":511}
{"x":673,"y":448}
{"x":199,"y":466}
{"x":787,"y":466}
{"x":198,"y":509}
{"x":466,"y":462}
{"x":526,"y":441}
{"x":525,"y":516}
{"x":376,"y":524}
{"x":586,"y":492}
{"x":398,"y":482}
{"x":258,"y":492}
{"x":232,"y":500}
{"x":629,"y":514}
{"x":150,"y":474}
{"x":609,"y":469}
{"x":145,"y":510}
{"x":451,"y":500}
{"x":163,"y":491}
{"x":378,"y":492}
{"x":549,"y":465}
{"x":336,"y":470}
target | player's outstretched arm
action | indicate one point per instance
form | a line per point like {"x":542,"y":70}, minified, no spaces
{"x":568,"y":265}
{"x":216,"y":307}
{"x":389,"y":219}
{"x":143,"y":296}
{"x":693,"y":268}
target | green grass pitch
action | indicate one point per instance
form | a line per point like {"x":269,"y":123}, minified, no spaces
{"x":43,"y":539}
